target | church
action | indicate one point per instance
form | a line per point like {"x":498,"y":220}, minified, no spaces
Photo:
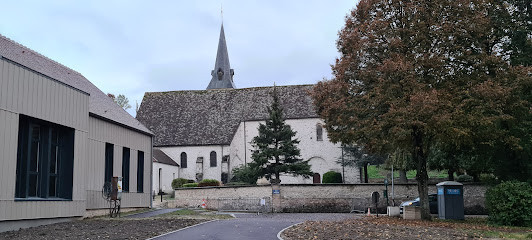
{"x":209,"y":132}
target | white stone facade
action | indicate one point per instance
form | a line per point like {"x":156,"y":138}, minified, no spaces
{"x":163,"y":174}
{"x":193,"y":167}
{"x":323,"y":154}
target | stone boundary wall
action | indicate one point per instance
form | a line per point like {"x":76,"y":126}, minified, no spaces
{"x":314,"y":197}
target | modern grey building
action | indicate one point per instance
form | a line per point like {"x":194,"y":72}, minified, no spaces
{"x":61,"y":138}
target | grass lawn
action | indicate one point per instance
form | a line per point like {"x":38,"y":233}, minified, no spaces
{"x":375,"y":171}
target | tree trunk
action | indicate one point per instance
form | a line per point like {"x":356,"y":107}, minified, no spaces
{"x":366,"y":173}
{"x":450,"y":174}
{"x":422,"y":176}
{"x":402,"y":176}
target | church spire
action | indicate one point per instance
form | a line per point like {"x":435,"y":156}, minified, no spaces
{"x":222,"y":75}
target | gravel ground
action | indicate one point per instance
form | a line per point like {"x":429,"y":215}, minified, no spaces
{"x":103,"y":229}
{"x":386,"y":228}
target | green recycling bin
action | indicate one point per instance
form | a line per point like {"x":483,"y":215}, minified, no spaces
{"x":450,"y":200}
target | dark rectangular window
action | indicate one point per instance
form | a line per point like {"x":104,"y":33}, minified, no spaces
{"x":109,"y":149}
{"x":125,"y":169}
{"x":140,"y":172}
{"x":45,"y":159}
{"x":213,"y":160}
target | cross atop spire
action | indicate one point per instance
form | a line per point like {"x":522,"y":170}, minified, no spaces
{"x":222,"y":75}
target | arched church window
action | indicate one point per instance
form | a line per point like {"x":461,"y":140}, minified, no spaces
{"x":213,"y":159}
{"x":319,"y":132}
{"x":183,"y":160}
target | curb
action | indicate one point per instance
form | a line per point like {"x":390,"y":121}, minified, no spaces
{"x":168,"y":233}
{"x":280,"y":232}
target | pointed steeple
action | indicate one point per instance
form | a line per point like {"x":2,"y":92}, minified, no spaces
{"x":222,"y":75}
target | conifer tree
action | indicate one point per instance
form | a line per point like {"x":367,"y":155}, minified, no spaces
{"x":276,"y":148}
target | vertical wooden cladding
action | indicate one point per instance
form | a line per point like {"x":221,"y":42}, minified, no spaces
{"x":102,"y":132}
{"x":26,"y":92}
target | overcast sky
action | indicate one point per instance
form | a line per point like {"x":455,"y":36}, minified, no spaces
{"x":131,"y":47}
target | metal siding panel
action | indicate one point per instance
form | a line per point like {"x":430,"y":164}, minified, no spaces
{"x":23,"y":95}
{"x":37,"y":98}
{"x":4,"y":126}
{"x":69,"y":113}
{"x":47,"y":98}
{"x":18,"y":89}
{"x":117,"y":160}
{"x":9,"y":94}
{"x":76,"y":111}
{"x":133,"y":170}
{"x":11,"y":168}
{"x":33,"y":96}
{"x":54,"y":101}
{"x":61,"y":107}
{"x":8,"y":147}
{"x":36,"y":89}
{"x":3,"y":84}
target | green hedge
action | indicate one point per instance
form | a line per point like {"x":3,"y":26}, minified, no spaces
{"x":209,"y":182}
{"x":510,"y":203}
{"x":178,"y":182}
{"x":464,"y":178}
{"x":332,"y":177}
{"x":190,"y":185}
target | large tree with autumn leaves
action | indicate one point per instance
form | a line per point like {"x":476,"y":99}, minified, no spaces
{"x":417,"y":74}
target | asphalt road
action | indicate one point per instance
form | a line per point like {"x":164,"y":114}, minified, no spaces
{"x":251,"y":226}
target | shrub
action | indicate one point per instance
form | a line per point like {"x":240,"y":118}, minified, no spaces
{"x":246,"y":174}
{"x":190,"y":185}
{"x":488,"y":178}
{"x":510,"y":203}
{"x":464,"y":178}
{"x":178,"y":182}
{"x":209,"y":182}
{"x":332,"y":177}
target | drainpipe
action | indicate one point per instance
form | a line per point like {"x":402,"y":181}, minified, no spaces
{"x":343,"y":168}
{"x":222,"y":163}
{"x":151,"y":172}
{"x":245,"y":150}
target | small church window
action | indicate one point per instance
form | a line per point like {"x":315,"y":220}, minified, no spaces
{"x":213,"y":159}
{"x":319,"y":132}
{"x":183,"y":160}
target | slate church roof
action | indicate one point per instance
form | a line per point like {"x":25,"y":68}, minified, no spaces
{"x":222,"y":75}
{"x":211,"y":117}
{"x":161,"y":157}
{"x":99,"y":103}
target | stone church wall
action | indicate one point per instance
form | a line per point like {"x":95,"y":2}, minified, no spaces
{"x":323,"y":155}
{"x":193,"y":166}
